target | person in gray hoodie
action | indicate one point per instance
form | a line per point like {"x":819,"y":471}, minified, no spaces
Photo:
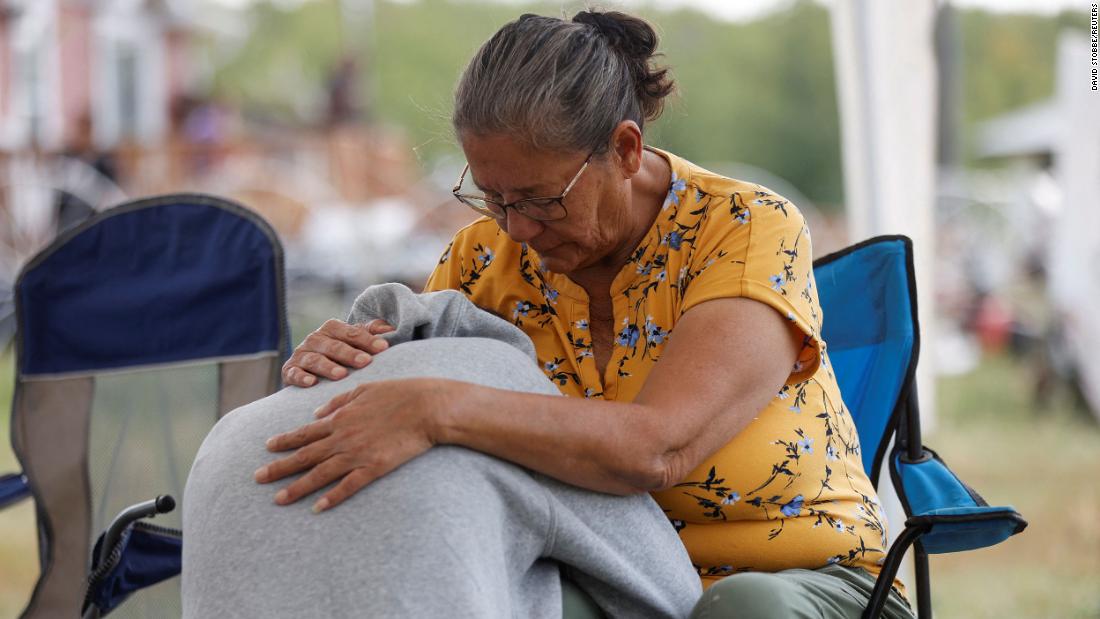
{"x":451,"y":533}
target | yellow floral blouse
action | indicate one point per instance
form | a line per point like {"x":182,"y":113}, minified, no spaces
{"x":788,"y":491}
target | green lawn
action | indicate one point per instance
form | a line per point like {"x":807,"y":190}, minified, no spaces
{"x":1045,"y":464}
{"x":1041,"y":462}
{"x":18,"y":548}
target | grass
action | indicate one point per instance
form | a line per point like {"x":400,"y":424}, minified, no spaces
{"x":18,"y":545}
{"x":1042,"y":462}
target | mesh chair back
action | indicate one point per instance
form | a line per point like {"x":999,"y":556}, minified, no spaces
{"x":135,"y":332}
{"x":868,"y":300}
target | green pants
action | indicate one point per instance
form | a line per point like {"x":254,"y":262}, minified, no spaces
{"x":831,"y":592}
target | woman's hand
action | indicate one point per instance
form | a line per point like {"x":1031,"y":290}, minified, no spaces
{"x":331,"y":349}
{"x":358,"y":437}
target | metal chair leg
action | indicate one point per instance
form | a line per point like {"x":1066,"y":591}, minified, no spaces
{"x":890,"y":570}
{"x":924,"y":586}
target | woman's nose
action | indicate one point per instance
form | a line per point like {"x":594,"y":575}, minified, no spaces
{"x":521,"y":228}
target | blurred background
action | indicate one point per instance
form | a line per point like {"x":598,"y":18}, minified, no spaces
{"x":970,"y":125}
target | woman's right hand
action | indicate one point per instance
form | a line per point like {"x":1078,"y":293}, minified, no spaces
{"x":334,"y":347}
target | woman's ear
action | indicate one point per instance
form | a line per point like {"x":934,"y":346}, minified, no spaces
{"x":626,"y":148}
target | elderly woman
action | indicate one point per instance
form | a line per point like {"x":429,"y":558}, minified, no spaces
{"x":674,"y":307}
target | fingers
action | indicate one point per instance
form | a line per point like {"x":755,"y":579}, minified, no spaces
{"x":306,"y":458}
{"x":293,"y":375}
{"x":319,"y":364}
{"x":360,"y":337}
{"x":304,"y":435}
{"x":339,"y":402}
{"x":353,"y":482}
{"x":332,"y":348}
{"x":318,"y":477}
{"x":379,"y":326}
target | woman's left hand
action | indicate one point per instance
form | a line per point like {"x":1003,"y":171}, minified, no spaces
{"x":358,"y":437}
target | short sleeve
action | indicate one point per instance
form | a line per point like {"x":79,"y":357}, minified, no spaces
{"x":467,"y":262}
{"x":756,"y":245}
{"x":445,"y":275}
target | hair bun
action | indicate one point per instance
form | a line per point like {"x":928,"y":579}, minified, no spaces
{"x":630,"y":35}
{"x":636,"y":41}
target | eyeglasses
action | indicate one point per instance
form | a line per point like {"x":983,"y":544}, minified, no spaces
{"x":542,"y":209}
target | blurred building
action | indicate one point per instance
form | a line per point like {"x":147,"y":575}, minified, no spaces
{"x":119,"y":62}
{"x":1051,"y":191}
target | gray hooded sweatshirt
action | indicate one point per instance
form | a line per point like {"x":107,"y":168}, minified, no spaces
{"x":451,"y":533}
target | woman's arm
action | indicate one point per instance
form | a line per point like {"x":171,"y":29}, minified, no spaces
{"x":728,"y":359}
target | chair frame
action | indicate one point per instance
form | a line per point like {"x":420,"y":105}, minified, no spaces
{"x":904,"y":426}
{"x":21,"y":485}
{"x":908,"y":448}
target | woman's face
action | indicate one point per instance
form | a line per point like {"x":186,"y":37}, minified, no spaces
{"x":597,"y":222}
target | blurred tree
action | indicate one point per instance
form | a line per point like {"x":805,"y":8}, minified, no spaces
{"x":761,"y":92}
{"x":282,"y":68}
{"x":1008,"y":60}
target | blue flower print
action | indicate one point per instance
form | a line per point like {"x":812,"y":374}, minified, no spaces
{"x":487,"y":257}
{"x":662,"y":276}
{"x":550,"y":294}
{"x":581,"y":324}
{"x":796,"y":409}
{"x":839,"y":526}
{"x":628,"y":337}
{"x":731,"y":498}
{"x":644,"y":269}
{"x":521,"y":309}
{"x":806,"y":445}
{"x":550,"y":366}
{"x":677,"y":185}
{"x":673,"y":239}
{"x":830,"y":453}
{"x":793,"y":507}
{"x":777,"y":282}
{"x":653,"y":333}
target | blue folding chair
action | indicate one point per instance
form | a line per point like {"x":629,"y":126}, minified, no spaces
{"x":136,"y":331}
{"x":869,"y":301}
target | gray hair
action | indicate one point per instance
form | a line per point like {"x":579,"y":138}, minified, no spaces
{"x":563,"y":85}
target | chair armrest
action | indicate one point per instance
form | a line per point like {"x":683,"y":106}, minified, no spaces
{"x":945,"y":515}
{"x":953,"y":516}
{"x":131,"y":555}
{"x":14,"y":487}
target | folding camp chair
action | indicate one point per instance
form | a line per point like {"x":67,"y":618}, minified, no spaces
{"x":868,"y":298}
{"x":136,"y":330}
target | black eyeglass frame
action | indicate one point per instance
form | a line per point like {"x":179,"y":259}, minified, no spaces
{"x":519,"y":205}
